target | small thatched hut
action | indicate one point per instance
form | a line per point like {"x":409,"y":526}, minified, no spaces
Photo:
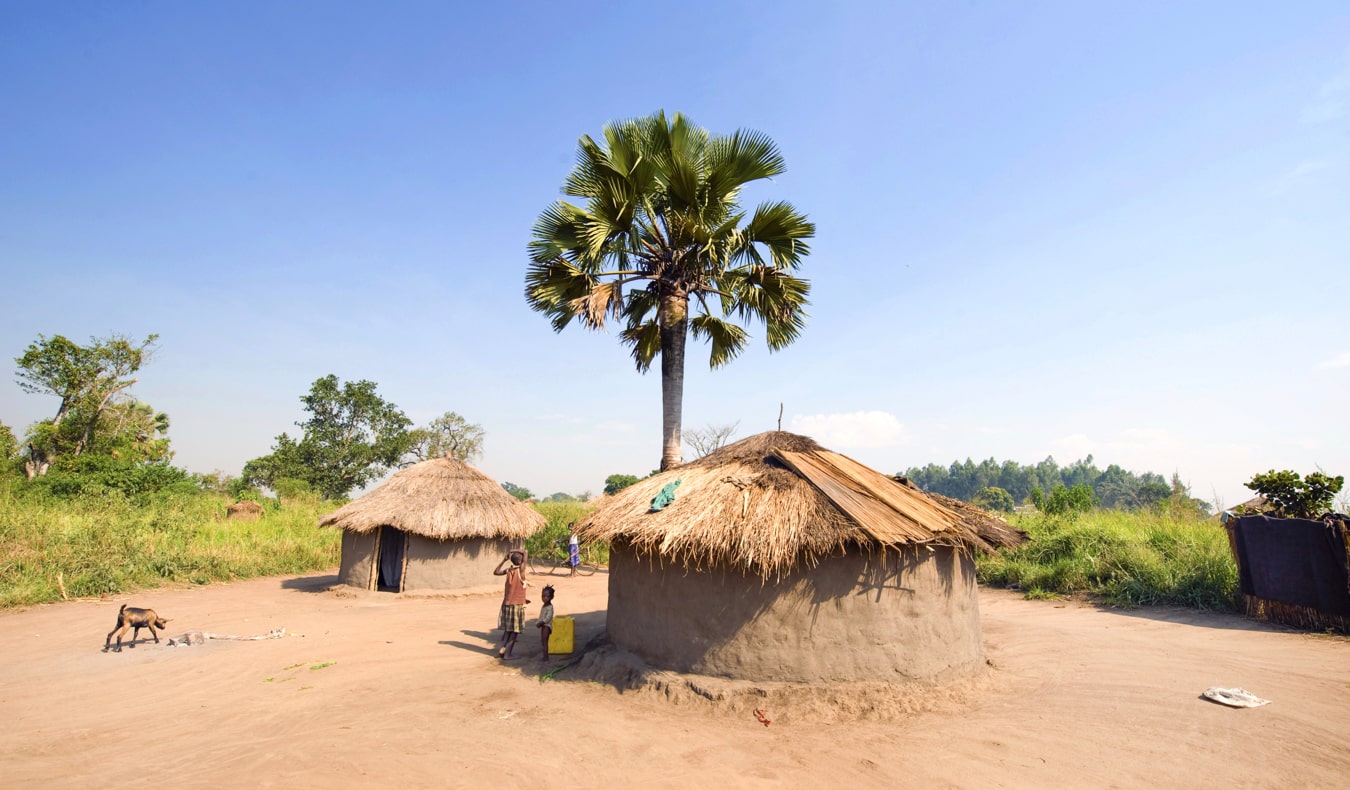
{"x":437,"y":525}
{"x":780,"y":560}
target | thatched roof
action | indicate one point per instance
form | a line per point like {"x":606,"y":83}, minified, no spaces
{"x":991,"y":528}
{"x":442,"y":499}
{"x":771,"y":501}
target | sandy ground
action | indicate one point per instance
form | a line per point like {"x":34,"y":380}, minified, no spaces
{"x":373,"y":688}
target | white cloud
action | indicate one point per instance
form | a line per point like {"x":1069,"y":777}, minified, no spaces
{"x":1338,"y":362}
{"x":858,"y":429}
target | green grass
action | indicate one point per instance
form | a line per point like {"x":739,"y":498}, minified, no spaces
{"x":559,"y":515}
{"x":105,"y":545}
{"x":1126,"y":559}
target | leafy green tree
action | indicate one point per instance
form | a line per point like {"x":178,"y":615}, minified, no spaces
{"x":661,"y":231}
{"x":449,"y":435}
{"x":1064,"y":501}
{"x":616,"y":483}
{"x":86,"y":379}
{"x":519,"y":492}
{"x":9,"y":451}
{"x":994,"y":498}
{"x":351,"y":437}
{"x":1292,"y":497}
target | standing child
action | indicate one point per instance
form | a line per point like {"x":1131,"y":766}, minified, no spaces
{"x":512,"y":618}
{"x":573,"y":549}
{"x":545,"y":623}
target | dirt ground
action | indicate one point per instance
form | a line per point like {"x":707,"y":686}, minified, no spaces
{"x":374,"y":688}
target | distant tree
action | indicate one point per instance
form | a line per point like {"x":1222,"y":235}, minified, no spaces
{"x":1180,"y":504}
{"x":351,"y":437}
{"x":559,"y":496}
{"x":449,"y":436}
{"x":1292,"y":497}
{"x":1063,"y":500}
{"x":519,"y":492}
{"x":708,"y":439}
{"x":616,"y":483}
{"x":87,"y":379}
{"x":661,"y":243}
{"x":9,"y":450}
{"x":993,"y":498}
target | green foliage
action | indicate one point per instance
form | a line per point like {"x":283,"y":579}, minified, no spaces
{"x":1291,"y":497}
{"x":1127,"y":558}
{"x":88,"y":380}
{"x":1064,"y":501}
{"x":289,"y":488}
{"x":560,"y":496}
{"x":660,"y":233}
{"x":99,"y":545}
{"x":550,"y":542}
{"x":993,"y":498}
{"x":616,"y":483}
{"x":351,"y":437}
{"x":9,"y":452}
{"x":449,"y":435}
{"x":1113,"y":488}
{"x":519,"y":492}
{"x":103,"y":476}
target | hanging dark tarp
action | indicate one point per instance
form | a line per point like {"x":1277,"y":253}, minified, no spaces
{"x":1296,"y":563}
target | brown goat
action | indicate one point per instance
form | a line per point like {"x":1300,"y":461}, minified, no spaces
{"x":135,"y":619}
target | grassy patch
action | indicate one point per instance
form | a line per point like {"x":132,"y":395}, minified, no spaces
{"x":1128,"y":559}
{"x":559,"y":515}
{"x":91,"y":546}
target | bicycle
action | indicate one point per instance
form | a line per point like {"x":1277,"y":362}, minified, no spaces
{"x":555,"y":558}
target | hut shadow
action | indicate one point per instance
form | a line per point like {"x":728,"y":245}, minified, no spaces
{"x":1198,"y":618}
{"x":310,"y":584}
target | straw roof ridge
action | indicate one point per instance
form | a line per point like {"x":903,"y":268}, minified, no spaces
{"x":443,"y":499}
{"x":772,"y":501}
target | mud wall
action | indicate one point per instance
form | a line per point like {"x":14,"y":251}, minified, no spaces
{"x":431,"y":564}
{"x":913,"y":615}
{"x":452,"y":564}
{"x":358,"y":559}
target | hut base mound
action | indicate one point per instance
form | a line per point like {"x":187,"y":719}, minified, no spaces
{"x":786,"y":702}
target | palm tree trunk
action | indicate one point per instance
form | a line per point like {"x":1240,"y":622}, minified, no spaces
{"x":674,"y":320}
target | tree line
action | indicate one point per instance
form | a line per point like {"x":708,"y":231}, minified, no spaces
{"x":1113,"y":487}
{"x":102,"y":437}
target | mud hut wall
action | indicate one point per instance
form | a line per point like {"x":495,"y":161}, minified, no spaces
{"x":853,"y":617}
{"x":358,"y":558}
{"x":452,"y":564}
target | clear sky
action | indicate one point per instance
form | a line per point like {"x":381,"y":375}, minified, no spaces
{"x":1042,"y":228}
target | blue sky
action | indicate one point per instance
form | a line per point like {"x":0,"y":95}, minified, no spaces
{"x":1043,"y":228}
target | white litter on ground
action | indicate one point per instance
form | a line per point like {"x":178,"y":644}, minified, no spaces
{"x":1234,"y":697}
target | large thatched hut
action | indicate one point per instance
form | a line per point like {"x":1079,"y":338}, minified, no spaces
{"x":780,"y":560}
{"x":437,"y":525}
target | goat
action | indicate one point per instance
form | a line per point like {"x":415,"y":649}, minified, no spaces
{"x":135,"y":619}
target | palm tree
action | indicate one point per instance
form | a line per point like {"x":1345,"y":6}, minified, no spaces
{"x":660,"y":229}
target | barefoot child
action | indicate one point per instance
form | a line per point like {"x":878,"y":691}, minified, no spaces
{"x":545,"y":623}
{"x":512,"y":618}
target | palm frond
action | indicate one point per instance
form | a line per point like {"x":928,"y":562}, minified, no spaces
{"x":645,"y":338}
{"x":728,"y":339}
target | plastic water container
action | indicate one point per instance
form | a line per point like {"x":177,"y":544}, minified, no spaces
{"x":564,"y":631}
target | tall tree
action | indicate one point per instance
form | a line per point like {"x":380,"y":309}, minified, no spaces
{"x":87,"y":379}
{"x":447,"y":436}
{"x":351,"y":437}
{"x":661,"y":230}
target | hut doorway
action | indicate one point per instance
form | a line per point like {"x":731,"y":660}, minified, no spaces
{"x":390,"y":560}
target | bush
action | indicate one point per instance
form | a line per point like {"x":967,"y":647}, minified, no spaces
{"x":1128,"y":559}
{"x":541,"y":545}
{"x":1295,"y":498}
{"x":101,"y":475}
